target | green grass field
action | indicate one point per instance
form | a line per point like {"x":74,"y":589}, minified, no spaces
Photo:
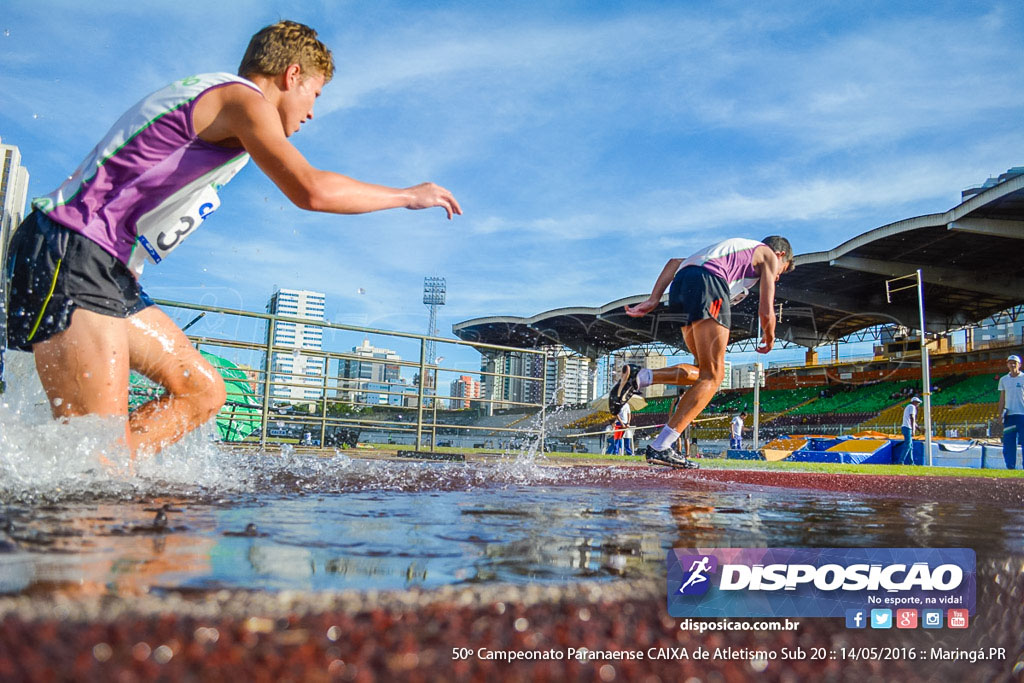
{"x":829,"y":468}
{"x":724,"y":464}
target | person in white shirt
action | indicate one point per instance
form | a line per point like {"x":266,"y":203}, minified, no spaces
{"x":736,"y":441}
{"x":1011,"y":410}
{"x":625,"y":415}
{"x":908,"y":429}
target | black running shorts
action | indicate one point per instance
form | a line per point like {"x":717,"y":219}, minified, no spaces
{"x":51,"y":271}
{"x":697,"y":294}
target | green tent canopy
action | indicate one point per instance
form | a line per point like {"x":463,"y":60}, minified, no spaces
{"x":240,"y":415}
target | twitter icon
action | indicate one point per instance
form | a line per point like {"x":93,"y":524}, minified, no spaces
{"x":881,"y":618}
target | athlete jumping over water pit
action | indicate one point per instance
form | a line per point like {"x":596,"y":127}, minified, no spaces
{"x":703,"y":287}
{"x":75,"y":299}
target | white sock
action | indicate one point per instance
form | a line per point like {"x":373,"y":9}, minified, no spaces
{"x":644,"y":378}
{"x":666,"y":439}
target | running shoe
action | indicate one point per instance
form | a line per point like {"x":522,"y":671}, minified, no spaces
{"x":624,"y":390}
{"x":670,"y":458}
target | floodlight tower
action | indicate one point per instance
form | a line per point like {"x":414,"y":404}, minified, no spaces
{"x":434,"y":289}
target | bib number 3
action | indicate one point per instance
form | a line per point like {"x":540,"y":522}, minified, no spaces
{"x":166,"y":241}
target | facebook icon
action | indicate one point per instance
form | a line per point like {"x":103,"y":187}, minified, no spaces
{"x":855,"y":618}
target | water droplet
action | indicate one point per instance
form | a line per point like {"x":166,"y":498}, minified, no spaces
{"x":186,"y":373}
{"x":360,"y":291}
{"x":438,"y":360}
{"x":7,"y":33}
{"x":86,"y":375}
{"x":58,"y":401}
{"x":35,"y":116}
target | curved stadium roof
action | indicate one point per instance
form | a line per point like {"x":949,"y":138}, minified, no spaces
{"x":969,"y":256}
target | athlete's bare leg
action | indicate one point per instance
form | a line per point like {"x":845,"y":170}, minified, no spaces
{"x":677,"y":375}
{"x":85,"y":371}
{"x":195,"y":390}
{"x":707,"y":339}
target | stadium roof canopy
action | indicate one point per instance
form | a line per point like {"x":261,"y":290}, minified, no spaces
{"x":970,"y":259}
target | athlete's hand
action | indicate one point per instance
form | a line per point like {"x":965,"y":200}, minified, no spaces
{"x":767,"y":342}
{"x":427,"y":195}
{"x":641,"y":309}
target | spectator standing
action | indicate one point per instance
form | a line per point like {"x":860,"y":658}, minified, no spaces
{"x":908,"y":429}
{"x":625,"y":417}
{"x":609,"y":437}
{"x":736,"y":441}
{"x":1011,"y":410}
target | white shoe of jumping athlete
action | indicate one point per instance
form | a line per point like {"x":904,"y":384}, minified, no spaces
{"x":670,"y":458}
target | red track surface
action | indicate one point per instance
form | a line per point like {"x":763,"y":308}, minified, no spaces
{"x":417,"y":646}
{"x":949,"y":489}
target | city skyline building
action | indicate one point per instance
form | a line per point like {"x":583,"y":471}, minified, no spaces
{"x":640,"y":358}
{"x":510,"y":377}
{"x":297,"y":376}
{"x":463,"y":391}
{"x":13,"y":194}
{"x":995,"y":331}
{"x":569,"y":378}
{"x":13,"y":198}
{"x":369,"y":381}
{"x":744,"y":376}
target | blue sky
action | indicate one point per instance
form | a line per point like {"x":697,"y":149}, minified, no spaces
{"x":587,"y":142}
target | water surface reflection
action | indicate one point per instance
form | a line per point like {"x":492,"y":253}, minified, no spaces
{"x":427,"y":536}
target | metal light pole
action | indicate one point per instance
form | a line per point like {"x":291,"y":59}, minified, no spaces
{"x":926,"y":379}
{"x":757,"y":405}
{"x":434,"y":289}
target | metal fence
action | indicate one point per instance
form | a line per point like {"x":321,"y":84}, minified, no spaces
{"x":335,"y":395}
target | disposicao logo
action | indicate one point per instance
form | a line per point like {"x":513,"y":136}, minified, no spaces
{"x":696,"y":581}
{"x":824,"y":582}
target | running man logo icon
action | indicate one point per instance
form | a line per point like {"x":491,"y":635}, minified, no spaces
{"x":696,"y":582}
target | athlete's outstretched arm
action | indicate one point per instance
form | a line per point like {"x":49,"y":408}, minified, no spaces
{"x":770,"y":268}
{"x":661,"y":284}
{"x":247,"y":116}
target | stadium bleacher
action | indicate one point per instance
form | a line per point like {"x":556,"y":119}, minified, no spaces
{"x":871,"y":396}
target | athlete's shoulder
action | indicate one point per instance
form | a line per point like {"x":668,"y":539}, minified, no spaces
{"x":737,"y":244}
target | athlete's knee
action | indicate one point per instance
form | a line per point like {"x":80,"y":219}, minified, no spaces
{"x":203,"y":389}
{"x":212,"y":398}
{"x":713,"y":373}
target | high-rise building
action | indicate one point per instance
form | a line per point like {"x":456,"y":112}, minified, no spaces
{"x":304,"y":372}
{"x":996,"y":331}
{"x":569,"y":378}
{"x":643,"y":359}
{"x":368,"y":378}
{"x":744,"y":376}
{"x":514,"y":377}
{"x":463,"y":391}
{"x":727,"y":379}
{"x":13,"y":193}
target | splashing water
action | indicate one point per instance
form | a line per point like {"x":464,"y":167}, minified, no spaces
{"x":85,"y":458}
